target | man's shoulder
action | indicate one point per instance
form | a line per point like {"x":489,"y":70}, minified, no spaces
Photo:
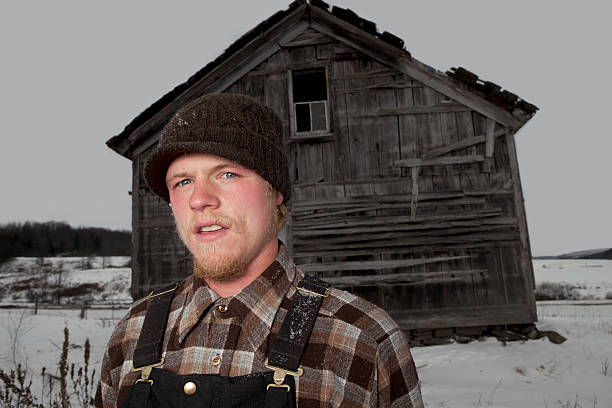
{"x":358,"y":314}
{"x":129,"y":322}
{"x":134,"y":318}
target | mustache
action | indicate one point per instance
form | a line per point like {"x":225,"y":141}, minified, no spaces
{"x":215,"y":219}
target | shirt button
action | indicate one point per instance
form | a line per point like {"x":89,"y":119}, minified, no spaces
{"x":216,"y":360}
{"x":189,"y":388}
{"x":222,"y":308}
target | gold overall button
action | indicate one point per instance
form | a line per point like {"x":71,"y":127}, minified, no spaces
{"x":216,"y":360}
{"x":189,"y":388}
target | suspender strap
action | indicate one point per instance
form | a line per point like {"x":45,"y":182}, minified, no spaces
{"x":288,"y":348}
{"x":148,"y":352}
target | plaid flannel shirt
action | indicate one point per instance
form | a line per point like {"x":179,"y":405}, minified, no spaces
{"x":356,"y":357}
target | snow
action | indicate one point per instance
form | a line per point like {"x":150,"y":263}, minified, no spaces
{"x":112,"y":274}
{"x":42,"y":335}
{"x":592,"y":278}
{"x":535,"y":373}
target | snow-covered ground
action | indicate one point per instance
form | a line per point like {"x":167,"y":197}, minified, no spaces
{"x":537,"y":373}
{"x":592,"y":278}
{"x":22,"y":279}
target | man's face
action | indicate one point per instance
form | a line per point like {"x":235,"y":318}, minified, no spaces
{"x":224,"y":214}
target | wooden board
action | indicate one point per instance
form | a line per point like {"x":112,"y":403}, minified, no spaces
{"x":342,"y":169}
{"x":405,"y":278}
{"x":441,"y":108}
{"x":386,"y":130}
{"x":309,"y":37}
{"x":482,"y":315}
{"x":367,"y":265}
{"x":363,"y":157}
{"x":439,"y":161}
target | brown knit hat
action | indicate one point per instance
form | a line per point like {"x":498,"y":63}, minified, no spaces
{"x":235,"y":127}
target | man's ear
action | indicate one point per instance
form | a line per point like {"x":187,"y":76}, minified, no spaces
{"x":279,"y":198}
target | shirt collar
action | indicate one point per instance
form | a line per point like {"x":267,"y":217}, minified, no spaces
{"x":256,"y":305}
{"x":199,"y":299}
{"x":263,"y":298}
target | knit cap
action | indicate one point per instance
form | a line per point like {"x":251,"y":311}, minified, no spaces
{"x":232,"y":126}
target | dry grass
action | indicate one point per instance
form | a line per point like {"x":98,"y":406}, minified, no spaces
{"x":556,"y":291}
{"x":16,"y":384}
{"x":605,"y":365}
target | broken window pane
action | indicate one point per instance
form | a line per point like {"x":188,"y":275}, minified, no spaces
{"x":309,"y":86}
{"x":302,"y":117}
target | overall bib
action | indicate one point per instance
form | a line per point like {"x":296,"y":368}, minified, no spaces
{"x":158,"y":388}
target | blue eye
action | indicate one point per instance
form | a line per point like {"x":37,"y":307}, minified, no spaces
{"x":183,"y":183}
{"x":229,"y":175}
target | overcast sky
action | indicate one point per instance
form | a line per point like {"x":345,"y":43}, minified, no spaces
{"x":74,"y":73}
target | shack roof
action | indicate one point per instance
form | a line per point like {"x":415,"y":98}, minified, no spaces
{"x":491,"y":92}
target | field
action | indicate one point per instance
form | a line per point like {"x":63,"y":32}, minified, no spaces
{"x":535,"y":373}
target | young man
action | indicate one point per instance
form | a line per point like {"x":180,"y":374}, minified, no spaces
{"x":247,"y":328}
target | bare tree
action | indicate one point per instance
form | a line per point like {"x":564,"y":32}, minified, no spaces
{"x":17,"y":326}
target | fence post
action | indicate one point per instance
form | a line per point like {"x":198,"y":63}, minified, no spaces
{"x":83,"y":314}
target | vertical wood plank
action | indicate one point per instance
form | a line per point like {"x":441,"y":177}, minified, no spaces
{"x":488,"y":165}
{"x":340,"y":124}
{"x":490,"y":138}
{"x":386,"y":128}
{"x":136,"y":228}
{"x":406,"y":124}
{"x":302,"y":55}
{"x":465,"y":130}
{"x":415,"y":192}
{"x":311,"y":163}
{"x":363,"y":160}
{"x":291,"y":109}
{"x":449,"y":135}
{"x":254,"y":87}
{"x":519,"y":203}
{"x":325,"y":51}
{"x":276,"y":95}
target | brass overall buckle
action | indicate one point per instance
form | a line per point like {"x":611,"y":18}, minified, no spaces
{"x":280,"y":374}
{"x":151,"y":295}
{"x":326,"y":294}
{"x":145,"y":371}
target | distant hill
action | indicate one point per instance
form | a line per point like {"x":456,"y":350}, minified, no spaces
{"x":602,"y":253}
{"x":44,"y":239}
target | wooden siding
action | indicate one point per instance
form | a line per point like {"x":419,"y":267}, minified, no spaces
{"x":410,"y":202}
{"x":159,"y":258}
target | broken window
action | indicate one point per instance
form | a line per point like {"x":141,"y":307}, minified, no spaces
{"x":310,"y":100}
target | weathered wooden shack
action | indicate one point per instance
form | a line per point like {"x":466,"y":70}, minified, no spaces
{"x":406,"y":187}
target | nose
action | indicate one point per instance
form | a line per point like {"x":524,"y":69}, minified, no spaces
{"x":203,"y":196}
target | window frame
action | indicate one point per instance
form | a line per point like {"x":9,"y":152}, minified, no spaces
{"x":311,"y":134}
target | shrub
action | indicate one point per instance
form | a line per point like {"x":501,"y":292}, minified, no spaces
{"x":609,"y":295}
{"x":16,"y":391}
{"x":82,"y":289}
{"x":556,"y":291}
